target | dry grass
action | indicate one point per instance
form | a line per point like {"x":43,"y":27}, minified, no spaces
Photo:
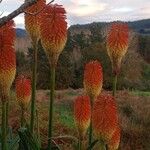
{"x":134,"y":114}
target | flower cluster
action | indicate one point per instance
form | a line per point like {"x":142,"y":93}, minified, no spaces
{"x":82,"y":114}
{"x":23,"y":91}
{"x":105,"y":118}
{"x":53,"y":31}
{"x":7,"y":57}
{"x":93,"y":79}
{"x":32,"y":19}
{"x":117,"y":44}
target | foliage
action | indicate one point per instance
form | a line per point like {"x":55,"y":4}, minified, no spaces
{"x":23,"y":65}
{"x":83,"y":46}
{"x":63,"y":70}
{"x":144,"y":48}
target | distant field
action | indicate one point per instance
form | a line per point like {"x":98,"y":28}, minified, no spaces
{"x":134,"y":114}
{"x":140,"y":93}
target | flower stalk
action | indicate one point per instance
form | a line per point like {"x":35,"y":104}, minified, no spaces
{"x":23,"y":95}
{"x":114,"y":84}
{"x":80,"y":143}
{"x":33,"y":97}
{"x":51,"y":107}
{"x":117,"y":44}
{"x":93,"y":79}
{"x":7,"y":73}
{"x":53,"y":35}
{"x":32,"y":27}
{"x":22,"y":118}
{"x":7,"y":112}
{"x":82,"y":114}
{"x":4,"y":127}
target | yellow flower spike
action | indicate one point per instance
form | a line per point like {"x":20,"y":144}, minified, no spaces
{"x":53,"y":31}
{"x":117,"y":44}
{"x":31,"y":19}
{"x":7,"y":58}
{"x":93,"y":79}
{"x":23,"y":91}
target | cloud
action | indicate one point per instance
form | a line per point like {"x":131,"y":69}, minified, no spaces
{"x":123,"y":9}
{"x":87,"y":11}
{"x":19,"y":21}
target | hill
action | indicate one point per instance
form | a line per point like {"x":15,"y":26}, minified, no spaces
{"x":85,"y":43}
{"x":141,"y":26}
{"x":21,"y":32}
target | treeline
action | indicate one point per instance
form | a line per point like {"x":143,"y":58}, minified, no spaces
{"x":84,"y":45}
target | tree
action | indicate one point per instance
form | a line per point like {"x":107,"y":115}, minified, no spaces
{"x":64,"y":69}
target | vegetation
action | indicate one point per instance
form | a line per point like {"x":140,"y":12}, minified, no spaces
{"x":102,"y":120}
{"x":133,"y":111}
{"x":79,"y":50}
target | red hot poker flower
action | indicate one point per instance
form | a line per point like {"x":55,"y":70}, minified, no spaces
{"x":23,"y":91}
{"x":105,"y":118}
{"x":93,"y":78}
{"x":31,"y":19}
{"x":113,"y":143}
{"x":117,"y":44}
{"x":53,"y":31}
{"x":7,"y":57}
{"x":82,"y":114}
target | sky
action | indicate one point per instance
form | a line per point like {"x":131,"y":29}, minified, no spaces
{"x":87,"y":11}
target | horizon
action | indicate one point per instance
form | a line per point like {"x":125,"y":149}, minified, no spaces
{"x":88,"y":11}
{"x":95,"y":22}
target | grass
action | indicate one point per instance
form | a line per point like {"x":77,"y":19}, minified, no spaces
{"x":133,"y":107}
{"x":140,"y":93}
{"x":65,"y":115}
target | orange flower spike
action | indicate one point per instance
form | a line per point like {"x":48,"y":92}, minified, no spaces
{"x":117,"y":44}
{"x":113,"y":143}
{"x":31,"y":19}
{"x":104,"y":117}
{"x":23,"y":91}
{"x":53,"y":31}
{"x":93,"y":78}
{"x":7,"y":57}
{"x":82,"y":114}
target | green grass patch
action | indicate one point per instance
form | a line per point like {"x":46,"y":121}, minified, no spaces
{"x":140,"y":93}
{"x":66,"y":115}
{"x":71,"y":93}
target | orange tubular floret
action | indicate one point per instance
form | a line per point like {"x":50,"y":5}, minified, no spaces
{"x":53,"y":29}
{"x":82,"y":114}
{"x":113,"y":143}
{"x":31,"y":21}
{"x":117,"y":44}
{"x":7,"y":57}
{"x":105,"y":118}
{"x":23,"y":91}
{"x":93,"y":78}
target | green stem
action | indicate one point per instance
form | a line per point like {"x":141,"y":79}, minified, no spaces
{"x":52,"y":90}
{"x":35,"y":46}
{"x":80,"y":144}
{"x":7,"y":112}
{"x":4,"y":127}
{"x":22,"y":117}
{"x":38,"y":129}
{"x":114,"y":84}
{"x":102,"y":145}
{"x":91,"y":128}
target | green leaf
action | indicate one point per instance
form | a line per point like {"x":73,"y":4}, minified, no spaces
{"x":28,"y":141}
{"x":13,"y":145}
{"x":92,"y":145}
